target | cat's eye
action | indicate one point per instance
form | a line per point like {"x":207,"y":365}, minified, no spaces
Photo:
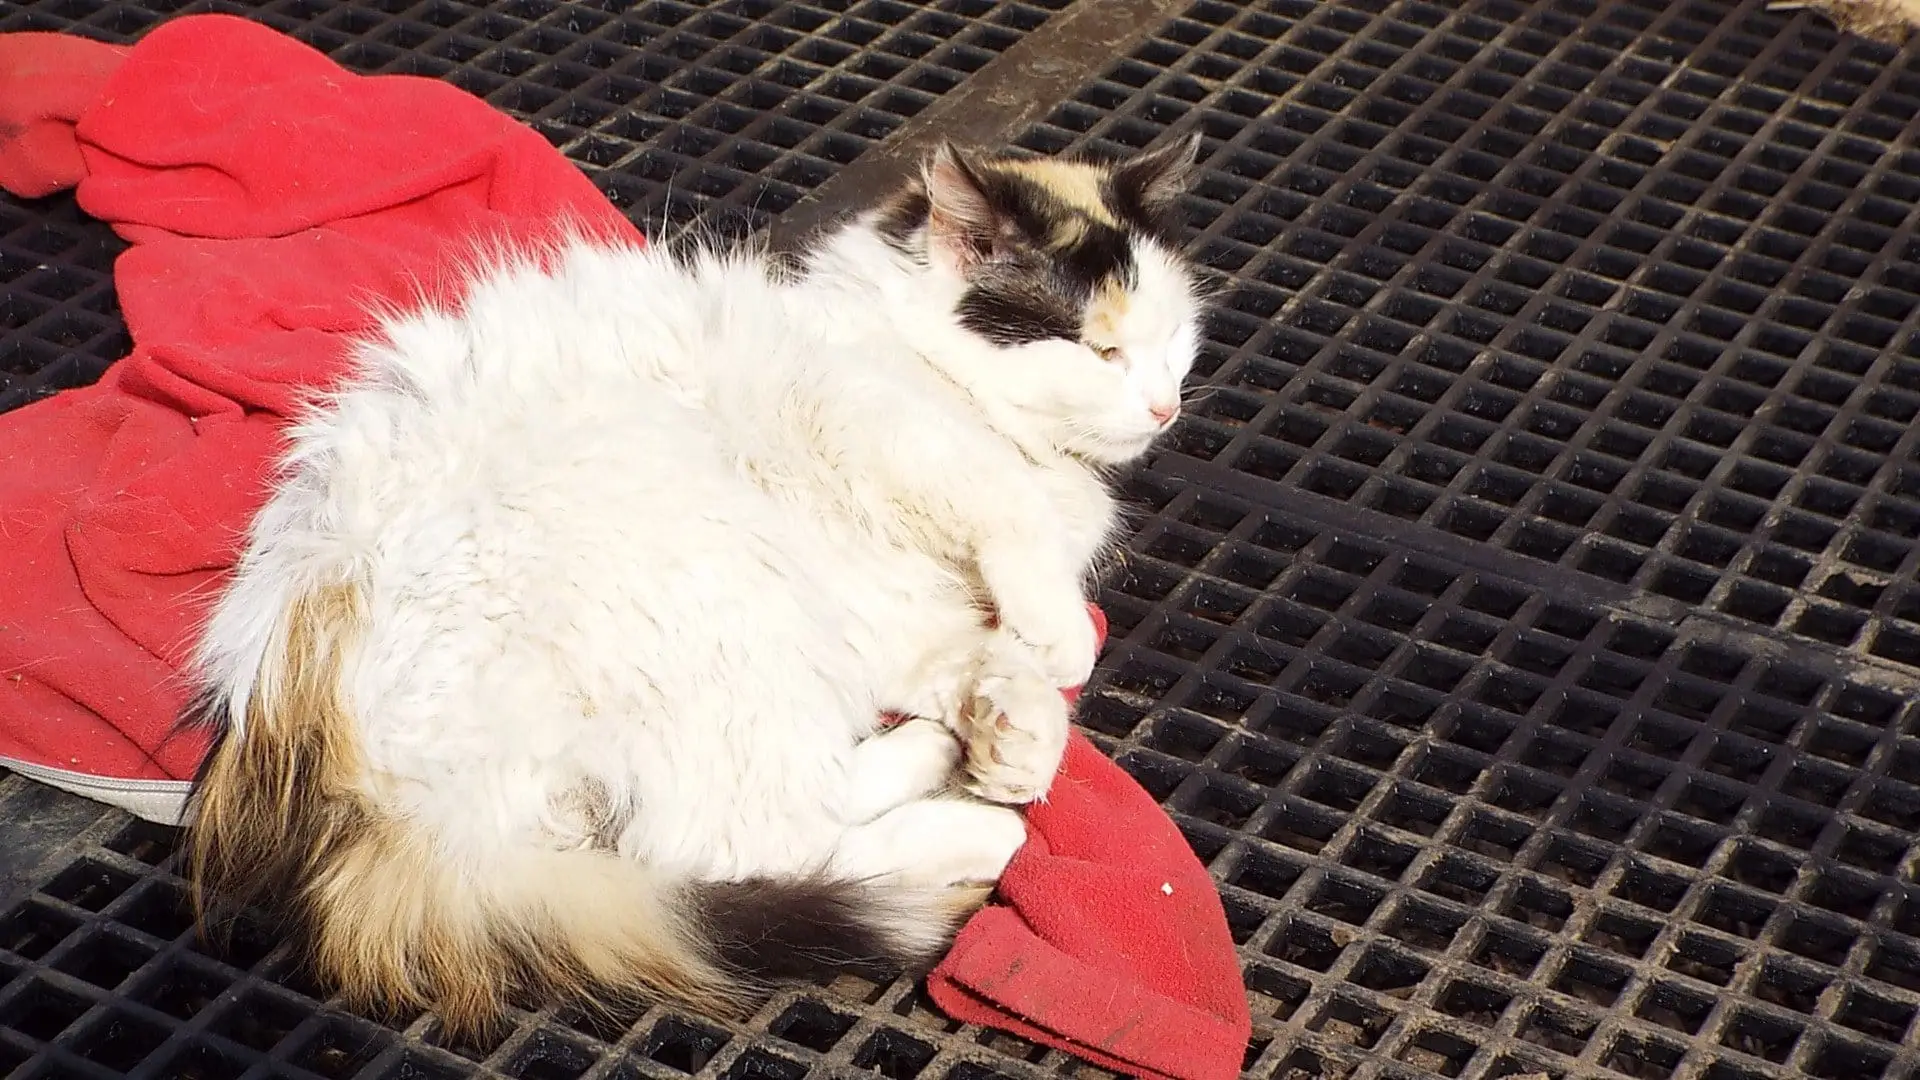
{"x":1109,"y":353}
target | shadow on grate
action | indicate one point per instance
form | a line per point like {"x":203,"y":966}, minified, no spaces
{"x":1624,"y":288}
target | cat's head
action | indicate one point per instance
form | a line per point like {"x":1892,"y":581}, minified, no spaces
{"x":1071,"y":272}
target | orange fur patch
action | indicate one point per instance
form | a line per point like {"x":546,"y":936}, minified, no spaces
{"x":1075,"y":183}
{"x":282,"y":814}
{"x":1105,"y":312}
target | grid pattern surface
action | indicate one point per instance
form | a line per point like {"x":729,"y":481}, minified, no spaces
{"x":60,"y":323}
{"x":678,"y":108}
{"x":722,"y":113}
{"x":1465,"y":828}
{"x":103,"y":968}
{"x":1626,"y":288}
{"x":1514,"y":625}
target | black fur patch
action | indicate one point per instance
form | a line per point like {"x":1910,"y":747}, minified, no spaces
{"x":1020,"y":302}
{"x":1104,"y":254}
{"x":903,"y":217}
{"x":201,"y":713}
{"x":797,"y":929}
{"x":1099,"y":253}
{"x":1126,"y":197}
{"x":1049,"y":260}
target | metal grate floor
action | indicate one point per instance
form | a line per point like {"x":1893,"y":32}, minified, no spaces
{"x":1521,"y":625}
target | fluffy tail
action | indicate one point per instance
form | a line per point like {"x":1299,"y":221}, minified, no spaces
{"x":280,"y":817}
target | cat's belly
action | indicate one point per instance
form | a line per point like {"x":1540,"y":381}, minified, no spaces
{"x":604,"y":635}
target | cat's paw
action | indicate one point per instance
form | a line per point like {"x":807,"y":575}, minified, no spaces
{"x":1018,"y":736}
{"x":1059,"y":636}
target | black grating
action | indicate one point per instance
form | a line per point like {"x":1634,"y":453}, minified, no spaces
{"x":102,"y":973}
{"x":726,"y":113}
{"x":1464,"y":824}
{"x":678,"y":109}
{"x":1520,"y":625}
{"x":1627,"y":288}
{"x":60,"y":324}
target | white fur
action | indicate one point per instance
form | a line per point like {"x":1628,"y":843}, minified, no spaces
{"x":685,"y":530}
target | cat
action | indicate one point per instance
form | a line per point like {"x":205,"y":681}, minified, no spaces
{"x":555,"y":663}
{"x":1890,"y":22}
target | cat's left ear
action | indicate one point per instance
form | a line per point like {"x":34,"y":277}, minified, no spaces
{"x":1155,"y":179}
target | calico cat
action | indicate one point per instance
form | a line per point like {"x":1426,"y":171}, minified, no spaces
{"x":556,"y":662}
{"x":1890,"y":22}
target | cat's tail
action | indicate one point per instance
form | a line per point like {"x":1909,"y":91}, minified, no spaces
{"x":395,"y":915}
{"x":798,"y":928}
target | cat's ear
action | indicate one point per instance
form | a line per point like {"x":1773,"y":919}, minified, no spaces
{"x":961,"y":222}
{"x":1155,"y":179}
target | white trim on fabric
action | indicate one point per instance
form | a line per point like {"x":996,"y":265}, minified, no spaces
{"x":158,"y":801}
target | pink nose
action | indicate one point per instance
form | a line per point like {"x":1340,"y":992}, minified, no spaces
{"x":1164,"y":413}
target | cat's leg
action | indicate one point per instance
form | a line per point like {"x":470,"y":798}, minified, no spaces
{"x":934,"y":843}
{"x":1039,"y":594}
{"x":909,"y":761}
{"x":1015,"y":538}
{"x":934,"y":675}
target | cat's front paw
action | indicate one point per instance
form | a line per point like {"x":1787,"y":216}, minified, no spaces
{"x":1060,"y":637}
{"x":1017,"y":738}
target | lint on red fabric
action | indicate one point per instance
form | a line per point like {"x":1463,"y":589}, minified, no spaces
{"x":271,"y":197}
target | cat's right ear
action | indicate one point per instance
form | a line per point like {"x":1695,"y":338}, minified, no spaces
{"x":961,"y":223}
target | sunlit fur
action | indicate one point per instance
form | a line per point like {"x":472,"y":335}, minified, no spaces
{"x":555,"y":661}
{"x":1889,"y":21}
